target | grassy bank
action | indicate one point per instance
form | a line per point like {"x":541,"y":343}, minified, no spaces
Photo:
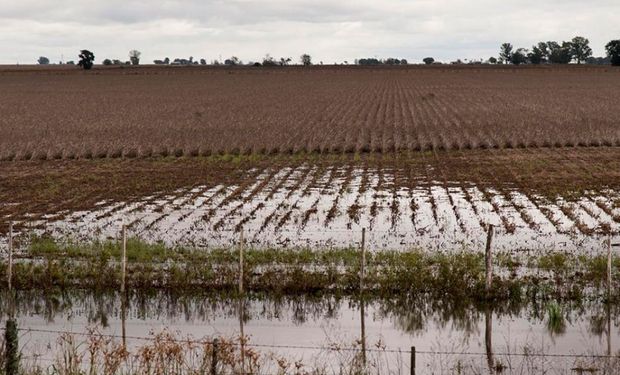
{"x":49,"y":264}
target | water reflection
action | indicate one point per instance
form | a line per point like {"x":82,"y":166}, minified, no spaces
{"x":412,"y":314}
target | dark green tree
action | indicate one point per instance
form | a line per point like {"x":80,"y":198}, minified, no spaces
{"x":613,"y":52}
{"x":537,"y":55}
{"x":519,"y":56}
{"x":43,"y":60}
{"x":505,"y":53}
{"x":107,"y":62}
{"x":560,"y":54}
{"x":87,"y":59}
{"x":428,"y":60}
{"x":492,"y":60}
{"x":580,"y":49}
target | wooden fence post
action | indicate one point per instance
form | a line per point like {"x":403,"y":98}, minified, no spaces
{"x":123,"y":258}
{"x":362,"y":302}
{"x":241,"y":304}
{"x":10,"y":266}
{"x":241,"y":262}
{"x":11,"y":348}
{"x":489,"y":261}
{"x":412,"y":368}
{"x":214,"y":357}
{"x":609,"y":267}
{"x":363,"y":261}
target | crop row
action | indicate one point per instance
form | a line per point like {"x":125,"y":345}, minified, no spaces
{"x":322,"y":111}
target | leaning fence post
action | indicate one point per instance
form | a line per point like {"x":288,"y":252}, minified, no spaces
{"x":123,"y":258}
{"x":412,"y":368}
{"x":489,"y":260}
{"x":214,"y":357}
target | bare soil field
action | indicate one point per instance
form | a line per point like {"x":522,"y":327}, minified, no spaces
{"x":63,"y":113}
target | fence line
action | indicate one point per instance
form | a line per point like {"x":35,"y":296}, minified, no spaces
{"x":328,"y":348}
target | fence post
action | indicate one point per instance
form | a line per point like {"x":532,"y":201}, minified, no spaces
{"x":412,"y":368}
{"x":10,"y":267}
{"x":489,"y":261}
{"x":123,"y":258}
{"x":363,"y":262}
{"x":214,"y":357}
{"x":241,"y":303}
{"x":241,"y":262}
{"x":609,"y":267}
{"x":11,"y":353}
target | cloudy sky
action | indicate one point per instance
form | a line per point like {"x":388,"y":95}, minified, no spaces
{"x":329,"y":30}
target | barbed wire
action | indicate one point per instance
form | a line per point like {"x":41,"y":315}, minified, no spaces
{"x":326,"y":348}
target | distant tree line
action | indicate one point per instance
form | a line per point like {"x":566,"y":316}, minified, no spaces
{"x":576,"y":50}
{"x":375,"y":61}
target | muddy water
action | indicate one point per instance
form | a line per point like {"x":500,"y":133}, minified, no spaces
{"x":308,"y":206}
{"x":446,"y":335}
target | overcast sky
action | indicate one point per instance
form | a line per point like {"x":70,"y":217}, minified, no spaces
{"x":330,"y":30}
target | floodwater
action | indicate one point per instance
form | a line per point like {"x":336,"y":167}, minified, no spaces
{"x":305,"y":207}
{"x":447,"y":335}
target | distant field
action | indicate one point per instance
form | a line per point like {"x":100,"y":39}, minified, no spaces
{"x":65,"y":113}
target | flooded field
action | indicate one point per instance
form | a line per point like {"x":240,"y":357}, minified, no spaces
{"x":318,"y":207}
{"x":523,"y":338}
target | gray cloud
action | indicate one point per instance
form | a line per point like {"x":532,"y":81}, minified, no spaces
{"x":330,"y":31}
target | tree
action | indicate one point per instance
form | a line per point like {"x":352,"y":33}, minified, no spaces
{"x":234,"y":60}
{"x":492,"y":60}
{"x":560,"y":54}
{"x":203,"y":62}
{"x":268,"y":60}
{"x":284,"y":61}
{"x":305,"y":59}
{"x":43,"y":60}
{"x":167,"y":60}
{"x":613,"y":52}
{"x":519,"y":56}
{"x":580,"y":49}
{"x":428,"y":60}
{"x":537,"y":56}
{"x":107,"y":62}
{"x":505,"y":53}
{"x":87,"y":59}
{"x":134,"y":56}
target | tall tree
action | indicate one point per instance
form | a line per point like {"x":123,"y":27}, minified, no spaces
{"x":134,"y":56}
{"x":580,"y":49}
{"x":519,"y":56}
{"x":505,"y":53}
{"x":560,"y":54}
{"x":305,"y":59}
{"x":613,"y":51}
{"x":87,"y":59}
{"x":43,"y":60}
{"x":536,"y":56}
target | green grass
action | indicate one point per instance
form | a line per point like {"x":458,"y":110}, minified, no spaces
{"x":48,"y":263}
